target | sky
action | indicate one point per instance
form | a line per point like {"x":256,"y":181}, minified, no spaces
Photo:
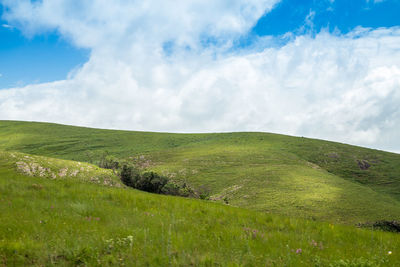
{"x":327,"y":69}
{"x":36,"y":58}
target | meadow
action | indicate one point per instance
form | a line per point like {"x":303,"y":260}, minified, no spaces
{"x":275,"y":200}
{"x":71,"y":222}
{"x":285,"y":175}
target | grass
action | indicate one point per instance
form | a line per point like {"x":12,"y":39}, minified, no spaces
{"x":56,"y":169}
{"x":273,"y":173}
{"x":274,"y":182}
{"x":69,"y":221}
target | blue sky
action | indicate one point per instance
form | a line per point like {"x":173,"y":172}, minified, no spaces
{"x":327,"y":69}
{"x":35,"y":59}
{"x":49,"y":57}
{"x":338,"y":15}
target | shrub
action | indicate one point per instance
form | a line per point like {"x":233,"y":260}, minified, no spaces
{"x":388,"y":226}
{"x":129,"y":175}
{"x":186,"y":191}
{"x":150,"y":182}
{"x":109,"y":162}
{"x":171,"y":189}
{"x":204,"y":192}
{"x":154,"y":183}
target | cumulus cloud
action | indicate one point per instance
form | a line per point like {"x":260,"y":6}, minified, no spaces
{"x":338,"y":87}
{"x":98,"y":23}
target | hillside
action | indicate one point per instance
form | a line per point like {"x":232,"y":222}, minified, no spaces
{"x":71,"y":220}
{"x":265,"y":172}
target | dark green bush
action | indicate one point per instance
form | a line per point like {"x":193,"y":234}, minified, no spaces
{"x":388,"y":226}
{"x":171,"y":189}
{"x":129,"y":175}
{"x":149,"y":181}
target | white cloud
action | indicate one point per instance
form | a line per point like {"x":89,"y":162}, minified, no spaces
{"x":344,"y":88}
{"x":6,"y":26}
{"x":98,"y":23}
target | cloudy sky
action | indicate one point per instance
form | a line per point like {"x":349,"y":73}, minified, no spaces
{"x":326,"y":69}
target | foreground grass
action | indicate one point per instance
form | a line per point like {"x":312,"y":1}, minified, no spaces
{"x":70,"y":222}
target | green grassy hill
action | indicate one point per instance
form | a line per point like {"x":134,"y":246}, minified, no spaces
{"x":279,"y":174}
{"x":54,"y":213}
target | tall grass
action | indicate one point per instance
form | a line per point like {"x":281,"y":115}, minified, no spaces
{"x":69,"y":222}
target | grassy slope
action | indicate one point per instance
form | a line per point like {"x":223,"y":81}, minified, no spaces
{"x":267,"y":180}
{"x":57,"y":169}
{"x":69,"y":222}
{"x":268,"y":172}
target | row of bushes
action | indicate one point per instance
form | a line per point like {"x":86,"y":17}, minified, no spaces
{"x":149,"y":181}
{"x":388,"y":226}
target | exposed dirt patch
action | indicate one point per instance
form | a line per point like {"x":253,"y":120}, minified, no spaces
{"x":74,"y":173}
{"x":142,"y":162}
{"x":24,"y":167}
{"x":63,"y":172}
{"x":363,"y":164}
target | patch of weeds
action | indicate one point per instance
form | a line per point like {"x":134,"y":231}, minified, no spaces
{"x":358,"y":262}
{"x":117,"y":244}
{"x":253,"y":233}
{"x":78,"y":257}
